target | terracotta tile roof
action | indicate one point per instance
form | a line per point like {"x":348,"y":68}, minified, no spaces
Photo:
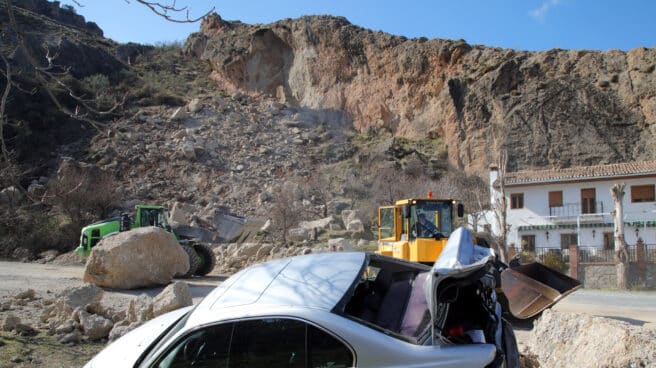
{"x":582,"y":173}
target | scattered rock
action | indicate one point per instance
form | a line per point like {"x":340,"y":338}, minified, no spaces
{"x":178,"y":115}
{"x":140,"y":309}
{"x":24,"y":329}
{"x":136,"y":258}
{"x":118,"y":331}
{"x":22,"y":254}
{"x":65,"y":327}
{"x":355,"y":225}
{"x":9,"y":322}
{"x":28,"y":294}
{"x":94,"y":326}
{"x":73,"y":337}
{"x":11,"y":196}
{"x":340,"y":244}
{"x":194,"y":106}
{"x":174,"y":296}
{"x":69,"y":301}
{"x":48,"y":255}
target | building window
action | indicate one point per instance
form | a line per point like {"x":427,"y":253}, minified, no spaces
{"x":556,"y":199}
{"x":642,"y":193}
{"x":517,"y":200}
{"x":528,"y":243}
{"x":609,"y":241}
{"x":588,"y":201}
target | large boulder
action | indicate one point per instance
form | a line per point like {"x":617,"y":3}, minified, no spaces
{"x":136,"y":258}
{"x":560,"y":339}
{"x":299,"y":234}
{"x":321,"y":224}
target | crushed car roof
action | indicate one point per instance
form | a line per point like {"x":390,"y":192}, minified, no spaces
{"x":316,"y":281}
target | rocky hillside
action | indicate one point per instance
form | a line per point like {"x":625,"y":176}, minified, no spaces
{"x":556,"y":108}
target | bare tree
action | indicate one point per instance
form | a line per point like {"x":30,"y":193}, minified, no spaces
{"x":82,"y":193}
{"x":47,"y":73}
{"x":321,"y":188}
{"x":3,"y":106}
{"x":286,"y":211}
{"x":621,"y":255}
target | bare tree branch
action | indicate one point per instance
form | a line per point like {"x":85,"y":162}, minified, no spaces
{"x":170,"y":12}
{"x":3,"y":107}
{"x":47,"y":74}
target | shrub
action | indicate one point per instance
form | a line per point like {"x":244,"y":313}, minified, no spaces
{"x":552,"y":260}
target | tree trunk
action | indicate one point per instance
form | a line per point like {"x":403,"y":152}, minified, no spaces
{"x":501,"y":210}
{"x":621,"y":255}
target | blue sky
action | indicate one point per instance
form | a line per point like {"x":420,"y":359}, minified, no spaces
{"x":518,"y":24}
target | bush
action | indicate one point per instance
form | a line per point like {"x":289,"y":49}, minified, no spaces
{"x":35,"y":231}
{"x":99,"y":86}
{"x":552,"y":260}
{"x":82,"y":193}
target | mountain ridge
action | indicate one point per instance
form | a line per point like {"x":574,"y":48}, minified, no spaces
{"x":554,"y":108}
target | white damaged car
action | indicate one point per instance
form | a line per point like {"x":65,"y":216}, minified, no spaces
{"x":336,"y":310}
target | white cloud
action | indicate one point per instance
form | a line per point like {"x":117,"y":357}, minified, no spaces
{"x":540,"y":13}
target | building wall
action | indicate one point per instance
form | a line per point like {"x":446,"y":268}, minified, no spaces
{"x":536,"y":212}
{"x":604,"y":276}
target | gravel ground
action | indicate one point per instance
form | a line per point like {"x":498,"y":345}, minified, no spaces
{"x":48,"y":280}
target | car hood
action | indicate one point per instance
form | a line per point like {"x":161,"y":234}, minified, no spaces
{"x":125,"y":351}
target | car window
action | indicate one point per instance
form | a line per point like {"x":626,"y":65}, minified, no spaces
{"x":268,"y":343}
{"x":203,"y":348}
{"x":326,"y":351}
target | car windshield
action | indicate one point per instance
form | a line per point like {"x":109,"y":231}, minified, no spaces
{"x":430,"y":218}
{"x":166,"y":336}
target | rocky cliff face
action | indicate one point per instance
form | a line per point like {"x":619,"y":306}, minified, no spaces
{"x":555,"y":108}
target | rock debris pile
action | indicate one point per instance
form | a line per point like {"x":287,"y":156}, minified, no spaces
{"x":561,"y":339}
{"x":79,"y":314}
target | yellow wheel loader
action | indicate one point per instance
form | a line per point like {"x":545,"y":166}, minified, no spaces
{"x":417,"y":230}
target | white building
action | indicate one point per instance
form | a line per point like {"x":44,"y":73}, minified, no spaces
{"x":558,"y":207}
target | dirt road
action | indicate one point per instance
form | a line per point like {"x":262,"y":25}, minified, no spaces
{"x":49,"y":279}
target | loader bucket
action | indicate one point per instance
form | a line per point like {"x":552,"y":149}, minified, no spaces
{"x":533,"y":287}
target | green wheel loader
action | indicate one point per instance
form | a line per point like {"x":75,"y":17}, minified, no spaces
{"x":201,"y":257}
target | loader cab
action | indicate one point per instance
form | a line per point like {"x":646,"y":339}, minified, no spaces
{"x":416,"y":229}
{"x":151,"y":216}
